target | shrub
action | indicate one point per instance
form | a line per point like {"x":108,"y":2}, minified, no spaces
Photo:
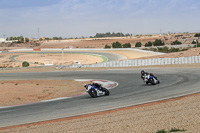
{"x":161,"y":131}
{"x":176,"y":42}
{"x":126,"y":45}
{"x":107,"y":46}
{"x":198,"y":45}
{"x":148,"y":44}
{"x":138,"y":44}
{"x":177,"y":130}
{"x":153,"y":49}
{"x":158,"y":42}
{"x":116,"y":45}
{"x":174,"y":50}
{"x":167,"y":50}
{"x":25,"y":64}
{"x":163,"y":49}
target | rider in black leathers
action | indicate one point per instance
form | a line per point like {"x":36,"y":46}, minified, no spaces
{"x":97,"y":85}
{"x":143,"y":73}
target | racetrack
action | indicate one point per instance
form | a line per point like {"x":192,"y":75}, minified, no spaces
{"x":131,"y":91}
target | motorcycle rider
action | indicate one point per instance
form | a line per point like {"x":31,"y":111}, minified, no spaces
{"x":143,"y":73}
{"x":97,"y":85}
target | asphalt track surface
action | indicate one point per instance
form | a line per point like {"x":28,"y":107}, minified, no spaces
{"x":131,"y":90}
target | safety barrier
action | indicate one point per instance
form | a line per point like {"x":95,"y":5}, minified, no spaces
{"x":144,"y":62}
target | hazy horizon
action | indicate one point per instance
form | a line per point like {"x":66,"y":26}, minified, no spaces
{"x":76,"y":18}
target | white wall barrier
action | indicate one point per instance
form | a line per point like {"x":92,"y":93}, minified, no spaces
{"x":144,"y":62}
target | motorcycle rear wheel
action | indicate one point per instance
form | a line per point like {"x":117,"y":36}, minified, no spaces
{"x":106,"y":92}
{"x":152,"y":82}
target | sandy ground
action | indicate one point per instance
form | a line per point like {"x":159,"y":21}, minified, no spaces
{"x":42,"y":59}
{"x":130,"y":54}
{"x":15,"y":92}
{"x":56,"y":59}
{"x":139,"y":119}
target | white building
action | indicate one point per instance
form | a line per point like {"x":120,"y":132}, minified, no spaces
{"x":5,"y":41}
{"x":2,"y":40}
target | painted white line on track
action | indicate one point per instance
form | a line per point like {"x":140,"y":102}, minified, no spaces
{"x":106,"y":83}
{"x":61,"y":98}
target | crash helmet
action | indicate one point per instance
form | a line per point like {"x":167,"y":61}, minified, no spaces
{"x":85,"y":85}
{"x":142,"y":72}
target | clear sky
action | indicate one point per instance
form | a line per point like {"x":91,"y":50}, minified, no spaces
{"x":76,"y":18}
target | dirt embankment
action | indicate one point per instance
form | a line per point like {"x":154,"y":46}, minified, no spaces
{"x":190,"y":52}
{"x":96,"y":43}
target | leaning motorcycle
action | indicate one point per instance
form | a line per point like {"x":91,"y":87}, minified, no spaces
{"x":150,"y":79}
{"x":94,"y":91}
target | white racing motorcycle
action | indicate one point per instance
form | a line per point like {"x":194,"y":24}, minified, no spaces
{"x":150,"y":79}
{"x":94,"y":91}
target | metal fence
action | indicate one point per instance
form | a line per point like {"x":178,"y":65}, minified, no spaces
{"x":143,"y":62}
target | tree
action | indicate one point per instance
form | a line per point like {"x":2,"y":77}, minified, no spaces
{"x":197,"y":35}
{"x":194,"y":42}
{"x":55,"y":38}
{"x":60,"y":38}
{"x":116,"y":45}
{"x":126,"y":45}
{"x":158,"y":42}
{"x":148,"y":44}
{"x":20,"y":39}
{"x":108,"y":34}
{"x":138,"y":44}
{"x":176,"y":42}
{"x":26,"y":39}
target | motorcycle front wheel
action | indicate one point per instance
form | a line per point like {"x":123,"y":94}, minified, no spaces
{"x":93,"y":93}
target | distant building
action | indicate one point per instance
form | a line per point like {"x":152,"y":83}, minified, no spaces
{"x":2,"y":40}
{"x":5,"y":41}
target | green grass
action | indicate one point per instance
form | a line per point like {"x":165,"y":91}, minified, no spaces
{"x":161,"y":131}
{"x":172,"y":130}
{"x":177,"y":130}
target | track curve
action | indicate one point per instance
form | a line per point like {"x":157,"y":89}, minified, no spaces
{"x":130,"y":91}
{"x":108,"y":56}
